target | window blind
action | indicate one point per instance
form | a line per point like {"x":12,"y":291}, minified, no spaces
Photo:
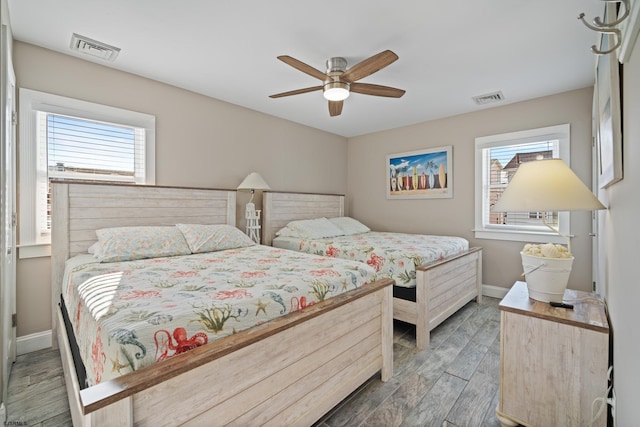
{"x":77,"y":149}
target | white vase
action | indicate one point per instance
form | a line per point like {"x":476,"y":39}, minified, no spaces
{"x":546,"y":277}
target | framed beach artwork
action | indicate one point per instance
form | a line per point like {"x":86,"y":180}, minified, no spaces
{"x":609,"y":132}
{"x":423,"y":174}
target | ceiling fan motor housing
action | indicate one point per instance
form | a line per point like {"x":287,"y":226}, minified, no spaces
{"x":336,"y":64}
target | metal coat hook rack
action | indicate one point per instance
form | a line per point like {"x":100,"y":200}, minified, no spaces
{"x":608,"y":27}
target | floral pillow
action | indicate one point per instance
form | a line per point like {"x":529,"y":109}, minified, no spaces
{"x":349,"y":225}
{"x":130,"y":243}
{"x":211,"y":238}
{"x":318,"y":228}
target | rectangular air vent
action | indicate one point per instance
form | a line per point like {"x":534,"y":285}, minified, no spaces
{"x":93,"y":47}
{"x":488,"y":98}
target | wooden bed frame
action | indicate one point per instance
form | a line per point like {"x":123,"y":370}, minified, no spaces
{"x":442,"y":287}
{"x":289,"y":371}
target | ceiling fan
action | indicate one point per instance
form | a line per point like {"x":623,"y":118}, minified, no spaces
{"x":338,"y":82}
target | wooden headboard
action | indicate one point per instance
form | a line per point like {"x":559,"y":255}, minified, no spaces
{"x":281,"y":208}
{"x":79,"y":209}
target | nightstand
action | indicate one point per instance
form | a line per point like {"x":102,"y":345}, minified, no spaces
{"x":553,"y":361}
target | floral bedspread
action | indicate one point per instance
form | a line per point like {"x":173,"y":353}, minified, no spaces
{"x":128,"y":315}
{"x":393,"y":255}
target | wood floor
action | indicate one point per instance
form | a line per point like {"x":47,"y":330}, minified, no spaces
{"x":37,"y":394}
{"x":452,"y":383}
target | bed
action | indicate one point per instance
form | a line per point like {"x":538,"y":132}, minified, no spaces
{"x":339,"y":342}
{"x":440,"y":287}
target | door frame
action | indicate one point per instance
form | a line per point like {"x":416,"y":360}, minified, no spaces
{"x":7,"y":212}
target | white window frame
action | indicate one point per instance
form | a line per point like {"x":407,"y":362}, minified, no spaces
{"x":31,"y":243}
{"x":562,"y":133}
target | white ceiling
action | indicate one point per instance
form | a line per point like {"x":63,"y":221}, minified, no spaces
{"x":449,"y":50}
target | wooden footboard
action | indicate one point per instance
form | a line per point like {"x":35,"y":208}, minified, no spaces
{"x":289,"y":371}
{"x":442,"y":288}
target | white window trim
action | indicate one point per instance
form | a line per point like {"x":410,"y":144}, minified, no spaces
{"x":559,"y":132}
{"x":30,"y":243}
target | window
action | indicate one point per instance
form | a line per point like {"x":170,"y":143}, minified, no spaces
{"x":68,"y":139}
{"x":497,"y":159}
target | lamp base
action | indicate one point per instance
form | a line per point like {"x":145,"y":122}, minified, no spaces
{"x":546,"y":278}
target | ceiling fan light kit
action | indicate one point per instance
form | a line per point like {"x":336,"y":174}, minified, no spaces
{"x":338,"y":82}
{"x":336,"y":91}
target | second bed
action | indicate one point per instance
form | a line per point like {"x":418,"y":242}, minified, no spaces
{"x":435,"y":275}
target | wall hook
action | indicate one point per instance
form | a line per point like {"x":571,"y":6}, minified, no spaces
{"x":614,"y":31}
{"x":627,"y":8}
{"x":607,"y":28}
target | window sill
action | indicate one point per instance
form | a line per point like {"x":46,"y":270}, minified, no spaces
{"x":520,"y":236}
{"x":34,"y":251}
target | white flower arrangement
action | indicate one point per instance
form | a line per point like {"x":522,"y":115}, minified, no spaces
{"x":546,"y":250}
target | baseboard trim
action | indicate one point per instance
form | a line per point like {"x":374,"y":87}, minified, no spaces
{"x":494,"y":291}
{"x":33,"y":342}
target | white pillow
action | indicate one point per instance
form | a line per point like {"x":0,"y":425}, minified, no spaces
{"x":95,"y":249}
{"x":287,"y":231}
{"x":130,"y":243}
{"x":318,"y":228}
{"x":349,"y":225}
{"x":211,"y":238}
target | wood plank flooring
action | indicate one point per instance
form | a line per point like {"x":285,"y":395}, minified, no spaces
{"x":37,"y":396}
{"x":452,"y":383}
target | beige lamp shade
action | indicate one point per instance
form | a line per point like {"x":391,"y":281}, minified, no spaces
{"x":252,"y":182}
{"x":546,"y":185}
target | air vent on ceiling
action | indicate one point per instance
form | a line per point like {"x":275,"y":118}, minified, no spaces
{"x":93,"y":47}
{"x":488,"y":98}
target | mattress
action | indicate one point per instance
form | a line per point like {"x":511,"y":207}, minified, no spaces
{"x":392,"y":255}
{"x":128,"y":315}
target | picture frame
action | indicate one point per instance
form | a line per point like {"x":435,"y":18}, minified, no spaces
{"x":422,"y":174}
{"x":608,"y":117}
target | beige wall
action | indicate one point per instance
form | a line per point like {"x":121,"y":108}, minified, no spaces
{"x":621,"y":234}
{"x":502,"y":264}
{"x":200,"y":142}
{"x":33,"y":298}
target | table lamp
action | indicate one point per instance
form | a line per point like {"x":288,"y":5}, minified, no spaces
{"x":546,"y":186}
{"x":253,"y":182}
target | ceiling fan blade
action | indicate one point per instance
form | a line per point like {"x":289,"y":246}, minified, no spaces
{"x":369,"y":66}
{"x":296,"y":92}
{"x":335,"y":108}
{"x":376,"y":90}
{"x":299,"y":65}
